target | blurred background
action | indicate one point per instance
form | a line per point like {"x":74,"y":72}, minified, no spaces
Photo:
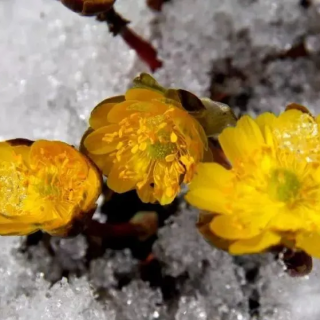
{"x":55,"y":66}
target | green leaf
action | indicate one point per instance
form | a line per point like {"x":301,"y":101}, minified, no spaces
{"x":215,"y":117}
{"x":144,"y":80}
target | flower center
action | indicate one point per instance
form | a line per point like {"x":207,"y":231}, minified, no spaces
{"x":159,"y":151}
{"x":47,"y":185}
{"x":283,"y":185}
{"x":13,"y":186}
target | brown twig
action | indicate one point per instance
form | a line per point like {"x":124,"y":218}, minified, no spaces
{"x":119,"y":26}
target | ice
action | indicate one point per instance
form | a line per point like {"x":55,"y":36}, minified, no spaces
{"x":211,"y":273}
{"x":191,"y":307}
{"x":105,"y":271}
{"x":64,"y":300}
{"x":138,"y":302}
{"x":25,"y":294}
{"x":286,"y":298}
{"x":55,"y":66}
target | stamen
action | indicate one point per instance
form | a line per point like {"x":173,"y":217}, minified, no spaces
{"x":173,"y":137}
{"x":135,"y":149}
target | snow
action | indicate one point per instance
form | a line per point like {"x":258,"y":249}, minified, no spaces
{"x":55,"y":66}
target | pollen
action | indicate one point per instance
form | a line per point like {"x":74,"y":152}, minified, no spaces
{"x":159,"y":151}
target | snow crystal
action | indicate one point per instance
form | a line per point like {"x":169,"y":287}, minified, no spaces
{"x":210,"y":272}
{"x":55,"y":66}
{"x":286,"y":298}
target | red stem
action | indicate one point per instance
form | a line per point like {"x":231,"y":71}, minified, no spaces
{"x":143,"y":48}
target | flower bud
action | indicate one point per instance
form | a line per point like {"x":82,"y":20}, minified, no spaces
{"x":89,"y":7}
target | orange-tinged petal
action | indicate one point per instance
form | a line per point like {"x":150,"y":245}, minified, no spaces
{"x":6,"y":152}
{"x":142,"y":94}
{"x":43,"y":152}
{"x":93,"y":189}
{"x":9,"y":227}
{"x":127,"y":108}
{"x":256,"y":244}
{"x":103,"y":162}
{"x":117,"y":184}
{"x":123,"y":110}
{"x":165,"y":199}
{"x":145,"y":193}
{"x":60,"y":184}
{"x":99,"y":116}
{"x":95,"y":143}
{"x":24,"y":152}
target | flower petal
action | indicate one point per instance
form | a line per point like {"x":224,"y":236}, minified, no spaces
{"x":142,"y":94}
{"x":287,"y":118}
{"x":209,"y":189}
{"x":103,"y":161}
{"x":203,"y":225}
{"x":239,"y":143}
{"x":145,"y":193}
{"x":45,"y":152}
{"x":310,"y":243}
{"x":117,"y":184}
{"x":6,"y":152}
{"x":211,"y":175}
{"x":266,"y":119}
{"x":287,"y":220}
{"x":256,"y":244}
{"x":99,"y":115}
{"x":93,"y":189}
{"x":11,"y":227}
{"x":235,"y":228}
{"x":127,"y":108}
{"x":95,"y":144}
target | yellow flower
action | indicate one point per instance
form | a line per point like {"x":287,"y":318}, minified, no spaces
{"x":271,"y":195}
{"x":145,"y":141}
{"x":45,"y":185}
